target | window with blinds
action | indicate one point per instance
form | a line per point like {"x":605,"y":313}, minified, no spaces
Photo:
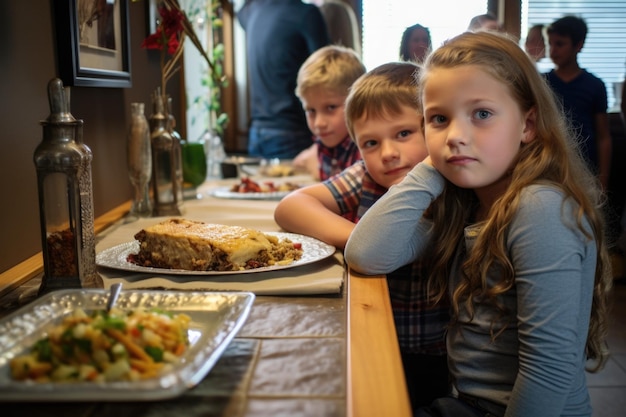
{"x":604,"y":53}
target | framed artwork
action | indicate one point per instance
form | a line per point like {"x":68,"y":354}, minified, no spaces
{"x":93,"y":45}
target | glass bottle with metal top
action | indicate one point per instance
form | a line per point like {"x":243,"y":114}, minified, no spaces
{"x":166,"y":187}
{"x":63,"y":164}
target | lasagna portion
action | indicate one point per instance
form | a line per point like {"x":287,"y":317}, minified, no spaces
{"x":197,"y":246}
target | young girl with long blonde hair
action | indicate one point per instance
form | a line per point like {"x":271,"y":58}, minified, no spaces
{"x":510,"y":219}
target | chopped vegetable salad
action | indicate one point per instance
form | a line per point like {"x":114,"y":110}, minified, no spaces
{"x":104,"y":347}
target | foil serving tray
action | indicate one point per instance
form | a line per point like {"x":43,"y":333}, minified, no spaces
{"x":216,"y":317}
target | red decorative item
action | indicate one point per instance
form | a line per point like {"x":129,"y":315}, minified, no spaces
{"x":168,"y":38}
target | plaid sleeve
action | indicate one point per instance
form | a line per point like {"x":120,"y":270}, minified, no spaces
{"x":420,"y":324}
{"x":346,"y":188}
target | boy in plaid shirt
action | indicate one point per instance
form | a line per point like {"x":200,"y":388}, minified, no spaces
{"x":384,"y":120}
{"x":322,"y":87}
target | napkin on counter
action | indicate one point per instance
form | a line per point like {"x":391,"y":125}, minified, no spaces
{"x":323,"y":277}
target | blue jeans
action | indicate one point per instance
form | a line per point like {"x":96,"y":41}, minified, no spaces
{"x":277,"y":143}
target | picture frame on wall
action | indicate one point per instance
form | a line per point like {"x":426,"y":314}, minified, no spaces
{"x":93,"y":45}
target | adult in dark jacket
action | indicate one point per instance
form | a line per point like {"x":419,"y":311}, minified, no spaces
{"x":280,"y":35}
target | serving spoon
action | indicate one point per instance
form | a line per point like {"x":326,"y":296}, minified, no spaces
{"x":113,"y":295}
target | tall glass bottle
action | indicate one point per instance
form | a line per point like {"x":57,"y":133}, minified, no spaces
{"x":166,"y":188}
{"x":215,"y":153}
{"x":177,"y":144}
{"x":139,"y":154}
{"x":63,"y":164}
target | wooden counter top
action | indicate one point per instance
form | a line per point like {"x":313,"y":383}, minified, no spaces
{"x":375,"y":378}
{"x":376,"y":384}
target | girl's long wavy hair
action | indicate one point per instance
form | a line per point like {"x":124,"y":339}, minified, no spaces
{"x":552,"y":158}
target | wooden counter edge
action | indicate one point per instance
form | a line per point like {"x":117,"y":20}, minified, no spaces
{"x":33,"y":266}
{"x":376,"y":383}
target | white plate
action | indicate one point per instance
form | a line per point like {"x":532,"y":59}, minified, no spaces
{"x":225,"y":192}
{"x":313,"y":250}
{"x":216,"y":317}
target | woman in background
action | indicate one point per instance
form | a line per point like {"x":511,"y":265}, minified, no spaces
{"x":415,"y":44}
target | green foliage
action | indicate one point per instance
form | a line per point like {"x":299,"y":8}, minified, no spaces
{"x":215,"y":81}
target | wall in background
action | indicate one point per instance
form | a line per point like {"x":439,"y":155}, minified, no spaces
{"x":27,"y":63}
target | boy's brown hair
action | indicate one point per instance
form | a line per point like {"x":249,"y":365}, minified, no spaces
{"x":332,"y":67}
{"x":381,"y":92}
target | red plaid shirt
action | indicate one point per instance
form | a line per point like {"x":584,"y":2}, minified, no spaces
{"x":334,"y":160}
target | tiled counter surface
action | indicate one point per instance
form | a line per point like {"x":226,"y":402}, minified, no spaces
{"x":289,"y":359}
{"x":322,"y":355}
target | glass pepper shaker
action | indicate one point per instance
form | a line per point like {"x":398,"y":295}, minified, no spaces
{"x":166,"y":187}
{"x":63,"y":164}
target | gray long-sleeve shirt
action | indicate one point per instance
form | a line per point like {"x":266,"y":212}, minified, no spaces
{"x":536,"y":366}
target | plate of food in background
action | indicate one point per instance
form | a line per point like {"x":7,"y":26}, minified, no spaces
{"x":248,"y":189}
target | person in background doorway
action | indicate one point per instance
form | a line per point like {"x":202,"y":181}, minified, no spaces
{"x":487,"y":21}
{"x":280,"y":36}
{"x":535,"y":44}
{"x":322,"y":86}
{"x":415,"y":44}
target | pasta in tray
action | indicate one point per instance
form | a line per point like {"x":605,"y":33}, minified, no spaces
{"x":105,"y":347}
